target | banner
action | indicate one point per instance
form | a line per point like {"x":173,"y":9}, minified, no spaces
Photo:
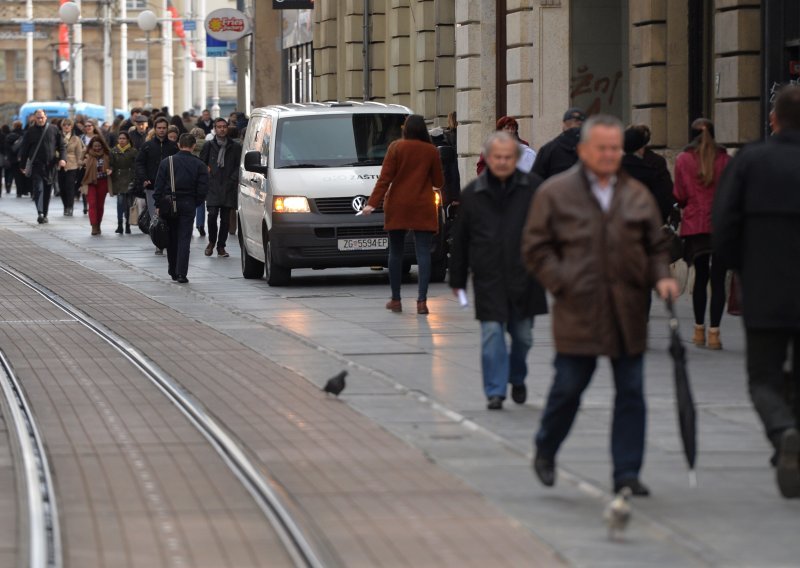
{"x":292,"y":4}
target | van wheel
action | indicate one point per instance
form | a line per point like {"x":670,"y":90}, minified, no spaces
{"x":439,"y":269}
{"x":277,"y":275}
{"x":251,"y":268}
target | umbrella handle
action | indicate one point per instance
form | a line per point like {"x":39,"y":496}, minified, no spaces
{"x":673,"y":316}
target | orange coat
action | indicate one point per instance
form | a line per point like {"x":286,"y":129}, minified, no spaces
{"x":411,"y":169}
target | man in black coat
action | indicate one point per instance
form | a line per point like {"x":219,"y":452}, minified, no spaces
{"x":191,"y":185}
{"x":560,"y":154}
{"x":652,"y":172}
{"x":221,"y":154}
{"x":138,"y":132}
{"x":756,"y":220}
{"x":46,"y":156}
{"x":149,"y":159}
{"x":486,"y":242}
{"x":205,"y":122}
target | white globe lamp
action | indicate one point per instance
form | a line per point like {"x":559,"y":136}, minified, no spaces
{"x":69,"y":12}
{"x":147,"y":21}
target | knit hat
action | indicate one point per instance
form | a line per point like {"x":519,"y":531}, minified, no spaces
{"x":635,"y":139}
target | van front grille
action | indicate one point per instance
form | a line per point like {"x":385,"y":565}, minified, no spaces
{"x":337,"y":206}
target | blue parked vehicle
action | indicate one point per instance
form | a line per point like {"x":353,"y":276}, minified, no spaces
{"x":60,"y":109}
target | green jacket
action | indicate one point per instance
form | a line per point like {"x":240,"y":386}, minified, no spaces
{"x":123,"y":169}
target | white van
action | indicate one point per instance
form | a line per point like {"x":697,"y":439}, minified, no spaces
{"x":306,"y":170}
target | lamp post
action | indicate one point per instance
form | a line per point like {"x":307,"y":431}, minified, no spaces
{"x":70,"y":14}
{"x":147,"y":22}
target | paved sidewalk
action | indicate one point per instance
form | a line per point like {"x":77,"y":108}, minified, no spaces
{"x":419,"y":378}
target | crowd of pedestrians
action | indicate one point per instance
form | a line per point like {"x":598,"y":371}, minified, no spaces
{"x":586,"y":217}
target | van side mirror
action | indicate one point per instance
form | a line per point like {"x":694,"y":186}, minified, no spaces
{"x":252,"y":162}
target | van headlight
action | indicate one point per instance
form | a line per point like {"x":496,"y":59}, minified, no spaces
{"x":437,"y":197}
{"x":295,"y":204}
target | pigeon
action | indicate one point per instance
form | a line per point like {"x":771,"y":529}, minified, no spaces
{"x":618,"y":513}
{"x":335,"y":385}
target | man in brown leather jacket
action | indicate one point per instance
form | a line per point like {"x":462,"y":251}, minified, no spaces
{"x":593,"y":239}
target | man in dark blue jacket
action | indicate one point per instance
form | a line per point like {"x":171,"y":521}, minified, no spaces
{"x":487,"y":242}
{"x":178,"y":204}
{"x":756,"y":220}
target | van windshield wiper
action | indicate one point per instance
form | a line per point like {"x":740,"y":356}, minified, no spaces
{"x":369,"y":162}
{"x":303,"y":166}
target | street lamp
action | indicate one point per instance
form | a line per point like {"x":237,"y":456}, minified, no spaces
{"x":147,"y":22}
{"x":70,"y":14}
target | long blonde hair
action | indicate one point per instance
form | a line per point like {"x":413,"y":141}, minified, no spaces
{"x":706,"y":148}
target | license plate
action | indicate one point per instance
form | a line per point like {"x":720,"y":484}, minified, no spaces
{"x":375,"y":243}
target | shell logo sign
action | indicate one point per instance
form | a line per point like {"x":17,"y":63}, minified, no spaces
{"x":227,"y":24}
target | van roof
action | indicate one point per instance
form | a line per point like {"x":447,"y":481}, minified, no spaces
{"x":357,"y":107}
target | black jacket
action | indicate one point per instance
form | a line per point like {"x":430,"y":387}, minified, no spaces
{"x":657,"y":180}
{"x":756,"y":221}
{"x":206,"y":126}
{"x":223,"y":186}
{"x":558,"y":155}
{"x":11,"y":138}
{"x":487,"y":241}
{"x":150,"y":155}
{"x":46,"y":159}
{"x":191,"y":178}
{"x":452,"y":178}
{"x":137,"y":138}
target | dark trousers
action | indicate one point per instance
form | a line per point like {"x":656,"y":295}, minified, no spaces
{"x":218,"y":236}
{"x":66,"y":181}
{"x":706,"y":269}
{"x":8,"y":177}
{"x":42,"y":190}
{"x":124,"y":202}
{"x":573,"y":374}
{"x":771,"y":389}
{"x":23,"y":183}
{"x":180,"y":237}
{"x":422,"y":243}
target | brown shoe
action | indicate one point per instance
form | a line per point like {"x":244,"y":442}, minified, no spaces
{"x":699,"y":338}
{"x":422,"y":308}
{"x":221,"y":252}
{"x":395,"y":306}
{"x":209,"y":249}
{"x":713,"y":339}
{"x":95,"y":229}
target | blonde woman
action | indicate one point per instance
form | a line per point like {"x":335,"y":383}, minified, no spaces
{"x":67,"y":176}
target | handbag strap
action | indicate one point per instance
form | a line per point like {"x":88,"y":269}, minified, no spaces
{"x":39,"y":145}
{"x":172,"y":186}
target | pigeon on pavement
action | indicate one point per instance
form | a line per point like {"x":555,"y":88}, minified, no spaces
{"x":335,"y":385}
{"x":618,"y":513}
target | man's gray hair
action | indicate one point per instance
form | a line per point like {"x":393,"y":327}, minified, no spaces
{"x":500,"y":136}
{"x":600,"y":120}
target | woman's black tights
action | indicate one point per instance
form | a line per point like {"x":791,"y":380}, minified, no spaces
{"x":704,"y":269}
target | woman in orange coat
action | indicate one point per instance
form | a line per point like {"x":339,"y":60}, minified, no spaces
{"x":411,"y":171}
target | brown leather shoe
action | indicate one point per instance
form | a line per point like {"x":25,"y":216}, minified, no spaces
{"x":209,"y":250}
{"x":222,"y":252}
{"x":422,"y":308}
{"x":395,"y":306}
{"x":95,"y":229}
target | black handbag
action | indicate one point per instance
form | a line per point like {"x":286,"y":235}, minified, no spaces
{"x":159,"y":232}
{"x":144,"y":221}
{"x":670,"y":230}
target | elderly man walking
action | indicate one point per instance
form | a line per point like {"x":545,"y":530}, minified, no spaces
{"x":44,"y":146}
{"x":486,"y":241}
{"x":756,"y":220}
{"x":593,"y":238}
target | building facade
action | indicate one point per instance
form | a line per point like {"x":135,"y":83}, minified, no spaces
{"x":658,"y":62}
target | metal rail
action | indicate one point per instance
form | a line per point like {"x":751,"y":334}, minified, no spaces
{"x":44,"y":536}
{"x":264,"y":490}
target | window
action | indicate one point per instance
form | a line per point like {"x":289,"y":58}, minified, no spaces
{"x":19,"y":66}
{"x":136,"y":4}
{"x":3,"y":73}
{"x":137,"y":65}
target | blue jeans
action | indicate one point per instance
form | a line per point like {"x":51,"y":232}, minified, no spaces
{"x":573,"y":373}
{"x":123,"y":207}
{"x":200,"y":216}
{"x":501,"y":366}
{"x":422,"y":244}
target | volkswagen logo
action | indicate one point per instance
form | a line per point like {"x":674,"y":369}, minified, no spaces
{"x":359,"y":203}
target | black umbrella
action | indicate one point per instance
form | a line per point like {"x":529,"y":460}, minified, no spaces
{"x":687,"y":419}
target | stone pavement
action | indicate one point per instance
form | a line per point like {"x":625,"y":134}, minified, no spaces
{"x":419,"y":378}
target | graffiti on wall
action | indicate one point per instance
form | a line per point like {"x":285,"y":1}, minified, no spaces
{"x":593,"y":93}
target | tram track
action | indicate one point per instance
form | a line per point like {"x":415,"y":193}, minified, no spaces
{"x":45,"y":542}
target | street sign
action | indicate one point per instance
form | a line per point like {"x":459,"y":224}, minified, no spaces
{"x":292,"y":4}
{"x":189,"y":25}
{"x":27,"y":27}
{"x":227,"y":24}
{"x":216,"y":47}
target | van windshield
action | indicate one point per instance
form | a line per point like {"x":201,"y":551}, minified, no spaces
{"x":329,"y":141}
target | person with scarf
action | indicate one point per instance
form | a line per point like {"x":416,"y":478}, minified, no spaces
{"x":221,"y":155}
{"x":67,"y":176}
{"x":123,"y":165}
{"x":96,"y":181}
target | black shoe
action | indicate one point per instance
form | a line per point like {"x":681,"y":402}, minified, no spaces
{"x":519,"y":393}
{"x":45,"y":219}
{"x":788,"y":469}
{"x":545,"y":469}
{"x":495,"y":403}
{"x":159,"y":252}
{"x":119,"y":229}
{"x":638,"y":489}
{"x":40,"y":219}
{"x":182,"y":280}
{"x":171,"y":275}
{"x":127,"y":228}
{"x":202,"y":231}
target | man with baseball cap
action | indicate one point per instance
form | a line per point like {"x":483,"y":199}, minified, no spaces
{"x":560,"y":154}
